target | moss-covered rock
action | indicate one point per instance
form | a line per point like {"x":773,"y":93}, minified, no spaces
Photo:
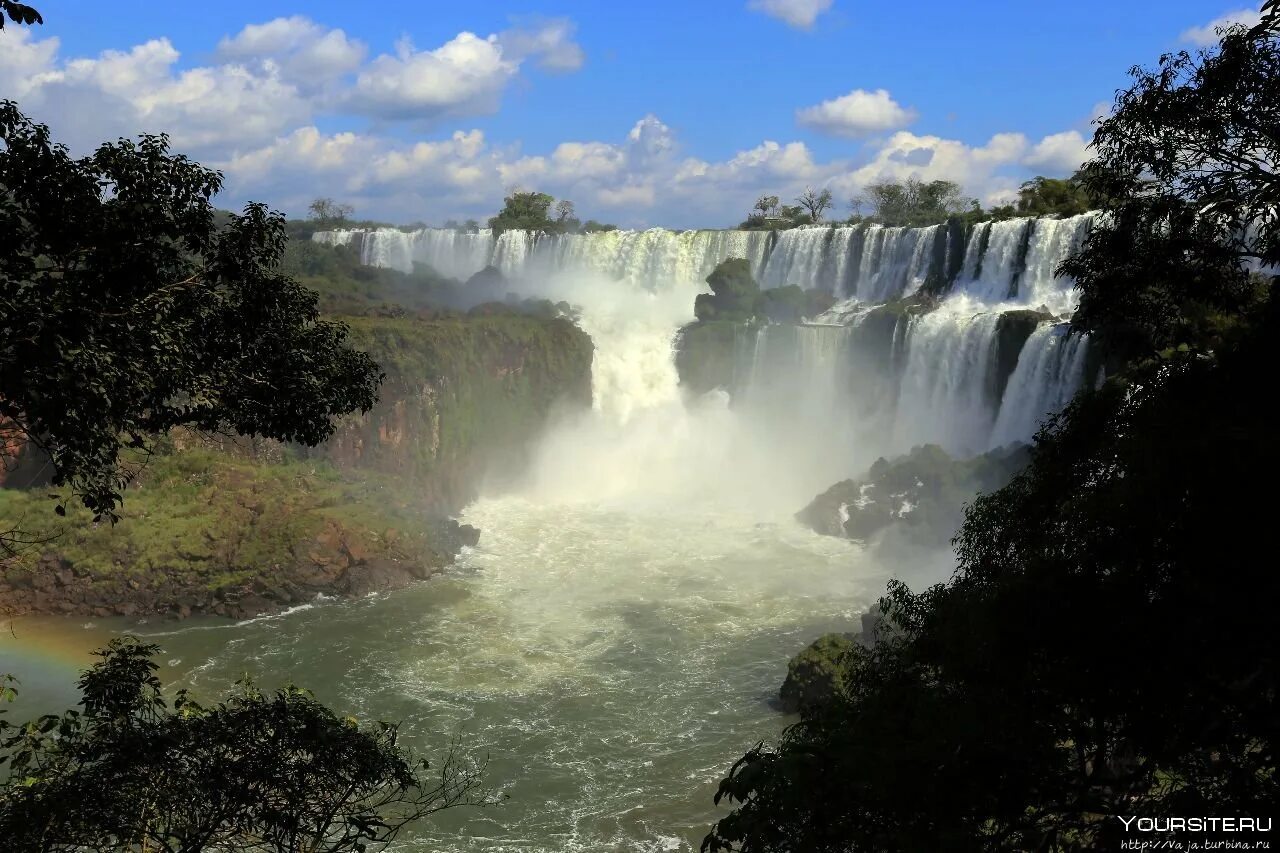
{"x":816,"y":675}
{"x":707,"y":352}
{"x":923,"y":492}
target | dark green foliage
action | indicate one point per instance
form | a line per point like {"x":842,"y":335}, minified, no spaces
{"x":1042,"y":196}
{"x":1187,"y":163}
{"x":815,"y":202}
{"x":124,"y":312}
{"x":531,"y":211}
{"x":734,"y":293}
{"x":1106,"y":645}
{"x":257,"y":772}
{"x":915,"y":203}
{"x":19,"y":13}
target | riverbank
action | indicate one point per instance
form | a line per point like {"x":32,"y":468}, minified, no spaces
{"x":238,"y":528}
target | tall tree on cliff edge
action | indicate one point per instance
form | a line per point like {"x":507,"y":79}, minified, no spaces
{"x":1106,"y":647}
{"x":125,"y":312}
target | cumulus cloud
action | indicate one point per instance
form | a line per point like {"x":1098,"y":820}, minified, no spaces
{"x":1061,"y":152}
{"x":466,"y":75}
{"x":135,"y":91}
{"x":300,"y":50}
{"x":549,"y":43}
{"x":857,"y":114}
{"x":1207,"y":35}
{"x":800,"y":14}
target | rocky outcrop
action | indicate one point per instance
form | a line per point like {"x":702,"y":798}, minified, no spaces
{"x":923,"y":492}
{"x":463,"y":401}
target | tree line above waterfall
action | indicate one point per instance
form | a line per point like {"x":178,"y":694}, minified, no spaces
{"x":916,"y":203}
{"x":1105,"y":648}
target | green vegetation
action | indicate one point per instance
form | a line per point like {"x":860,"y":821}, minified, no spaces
{"x":531,"y":211}
{"x":211,"y":527}
{"x":915,"y":203}
{"x":734,"y":293}
{"x":347,"y":287}
{"x":261,"y":772}
{"x":735,"y":297}
{"x":1043,"y":196}
{"x":1105,"y":645}
{"x":108,"y":340}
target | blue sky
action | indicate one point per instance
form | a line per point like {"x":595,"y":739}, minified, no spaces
{"x":656,"y":113}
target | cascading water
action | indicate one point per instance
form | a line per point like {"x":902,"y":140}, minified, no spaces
{"x":1049,"y":372}
{"x":1052,"y":240}
{"x":943,"y":399}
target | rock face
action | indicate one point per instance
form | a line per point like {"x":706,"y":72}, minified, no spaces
{"x":238,"y":527}
{"x":923,"y":492}
{"x":463,"y":399}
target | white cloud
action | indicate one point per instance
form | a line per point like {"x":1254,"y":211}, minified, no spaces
{"x":549,"y":43}
{"x":255,"y":112}
{"x":857,"y":114}
{"x":466,"y":75}
{"x":800,"y":14}
{"x":139,"y":91}
{"x":1207,"y":35}
{"x":1062,"y":152}
{"x":303,"y":52}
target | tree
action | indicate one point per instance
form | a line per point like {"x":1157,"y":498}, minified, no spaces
{"x":564,"y":210}
{"x":1187,"y":165}
{"x":766,"y":204}
{"x":125,"y":312}
{"x":19,"y":13}
{"x":816,"y":203}
{"x":257,"y":772}
{"x":524,"y":211}
{"x":1042,"y":196}
{"x":915,"y":203}
{"x":328,"y":211}
{"x":1077,"y":667}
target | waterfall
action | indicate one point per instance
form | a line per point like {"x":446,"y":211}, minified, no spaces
{"x":944,"y":390}
{"x":856,"y":381}
{"x":991,"y":275}
{"x":1052,"y":240}
{"x":1049,"y":372}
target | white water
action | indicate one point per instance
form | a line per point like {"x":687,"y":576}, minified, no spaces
{"x":1050,"y":370}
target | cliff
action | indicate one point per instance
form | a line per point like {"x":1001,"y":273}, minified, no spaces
{"x":237,"y":527}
